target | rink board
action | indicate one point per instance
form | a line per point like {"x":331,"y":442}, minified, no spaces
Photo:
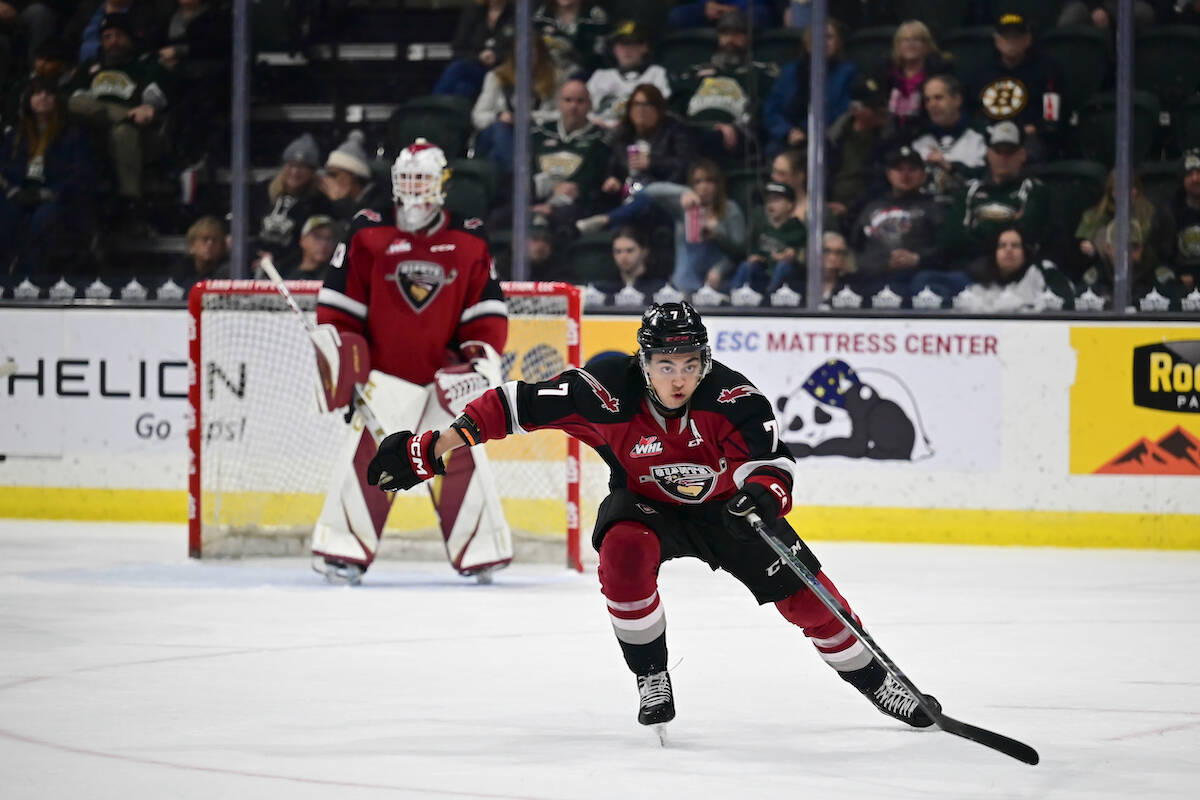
{"x":1024,"y":432}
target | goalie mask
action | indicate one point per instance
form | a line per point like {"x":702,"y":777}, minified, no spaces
{"x":418,"y":184}
{"x":671,"y":328}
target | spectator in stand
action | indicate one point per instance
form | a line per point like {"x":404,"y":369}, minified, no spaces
{"x":634,"y":285}
{"x":953,"y":151}
{"x":914,"y":60}
{"x":776,"y":241}
{"x":492,"y":115}
{"x":1186,"y":213}
{"x":1102,"y":14}
{"x":785,"y":112}
{"x":120,"y":97}
{"x":610,"y":87}
{"x":46,"y":175}
{"x":837,"y":264}
{"x":207,"y":255}
{"x":1187,"y":11}
{"x":482,"y":40}
{"x":1158,"y":229}
{"x":1002,"y":195}
{"x":196,"y":51}
{"x":317,"y":239}
{"x":1015,"y":280}
{"x":573,"y":32}
{"x":791,"y":167}
{"x":280,"y":207}
{"x":724,"y":94}
{"x":540,"y":253}
{"x":52,"y":60}
{"x":858,"y":141}
{"x":144,"y":21}
{"x":895,"y":237}
{"x":1151,"y":288}
{"x":1022,"y":85}
{"x":349,"y":183}
{"x":569,"y":161}
{"x":650,"y":145}
{"x":708,"y":13}
{"x":24,"y":26}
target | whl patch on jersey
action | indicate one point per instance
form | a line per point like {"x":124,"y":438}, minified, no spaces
{"x":736,"y":393}
{"x":420,"y":281}
{"x":691,"y":483}
{"x":646,"y":446}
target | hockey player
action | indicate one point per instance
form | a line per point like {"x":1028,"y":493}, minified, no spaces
{"x":693,"y":449}
{"x":411,"y":302}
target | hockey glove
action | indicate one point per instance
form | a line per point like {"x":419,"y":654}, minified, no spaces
{"x":754,"y":498}
{"x":404,"y":459}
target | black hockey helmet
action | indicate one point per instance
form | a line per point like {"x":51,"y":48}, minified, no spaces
{"x":673,"y":328}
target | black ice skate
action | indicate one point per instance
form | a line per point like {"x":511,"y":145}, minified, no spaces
{"x":898,"y":703}
{"x":656,"y":706}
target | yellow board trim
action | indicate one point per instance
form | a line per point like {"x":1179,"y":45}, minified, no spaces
{"x":828,"y":523}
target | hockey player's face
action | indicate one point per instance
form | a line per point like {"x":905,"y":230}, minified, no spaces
{"x":675,"y":377}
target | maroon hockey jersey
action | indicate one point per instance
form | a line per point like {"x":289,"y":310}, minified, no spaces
{"x":728,"y":435}
{"x":414,"y":295}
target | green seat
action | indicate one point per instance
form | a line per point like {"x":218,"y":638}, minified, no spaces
{"x":1097,"y":132}
{"x":1075,"y":187}
{"x":743,"y":186}
{"x":445,"y":120}
{"x":683,"y":48}
{"x":589,"y":259}
{"x":1086,"y":58}
{"x":971,"y":48}
{"x":1187,"y":124}
{"x":1161,"y":179}
{"x":778,"y":45}
{"x":941,"y":16}
{"x":272,"y":25}
{"x":500,"y":243}
{"x":1167,"y":63}
{"x":472,"y":187}
{"x":866,"y":47}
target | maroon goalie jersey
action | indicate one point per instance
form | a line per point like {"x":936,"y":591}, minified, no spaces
{"x":414,"y":295}
{"x":727,"y":436}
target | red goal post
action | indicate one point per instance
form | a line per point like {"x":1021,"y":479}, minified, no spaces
{"x":260,"y":451}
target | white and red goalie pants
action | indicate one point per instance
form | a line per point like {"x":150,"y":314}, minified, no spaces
{"x":465,"y":498}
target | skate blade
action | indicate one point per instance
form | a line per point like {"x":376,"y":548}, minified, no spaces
{"x":660,"y":730}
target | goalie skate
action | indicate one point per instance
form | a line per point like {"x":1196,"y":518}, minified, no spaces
{"x":339,"y":573}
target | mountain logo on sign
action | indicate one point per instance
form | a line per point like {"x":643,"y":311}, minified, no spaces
{"x":1177,"y":453}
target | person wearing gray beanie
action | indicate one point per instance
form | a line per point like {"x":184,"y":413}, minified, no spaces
{"x":303,"y":150}
{"x":348,"y":183}
{"x":280,"y":206}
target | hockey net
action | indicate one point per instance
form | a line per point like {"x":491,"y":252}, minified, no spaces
{"x":262,"y":454}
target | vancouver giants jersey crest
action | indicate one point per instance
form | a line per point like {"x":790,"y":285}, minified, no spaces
{"x":728,"y":436}
{"x":413,"y":295}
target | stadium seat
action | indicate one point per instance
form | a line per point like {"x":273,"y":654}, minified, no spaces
{"x":472,"y":186}
{"x":867,"y":47}
{"x":500,"y":243}
{"x":743,"y":186}
{"x":1160,"y":179}
{"x":971,"y":48}
{"x":1041,"y":14}
{"x":1167,"y":63}
{"x":1187,"y":123}
{"x":590,"y":258}
{"x":1086,"y":58}
{"x":941,"y":16}
{"x":778,"y":45}
{"x":681,"y":49}
{"x":444,"y":120}
{"x":1074,"y":187}
{"x":1097,"y":132}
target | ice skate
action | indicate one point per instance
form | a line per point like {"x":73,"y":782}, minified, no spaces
{"x":656,"y":705}
{"x":340,"y":573}
{"x":898,"y":703}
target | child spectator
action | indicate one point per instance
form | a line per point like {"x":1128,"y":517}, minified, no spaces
{"x":775,"y":242}
{"x":317,"y":239}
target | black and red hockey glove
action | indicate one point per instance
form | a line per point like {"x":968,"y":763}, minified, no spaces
{"x":404,"y":460}
{"x":754,"y":498}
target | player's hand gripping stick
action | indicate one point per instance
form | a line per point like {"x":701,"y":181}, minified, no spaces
{"x":403,"y":460}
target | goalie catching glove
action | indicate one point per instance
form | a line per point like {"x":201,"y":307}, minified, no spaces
{"x":403,"y":460}
{"x":754,"y":498}
{"x":343,"y":360}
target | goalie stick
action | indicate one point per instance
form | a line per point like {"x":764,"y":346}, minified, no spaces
{"x":996,"y":741}
{"x":361,"y":404}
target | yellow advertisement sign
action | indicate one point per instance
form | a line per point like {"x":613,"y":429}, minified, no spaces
{"x":1135,"y":404}
{"x":609,"y":335}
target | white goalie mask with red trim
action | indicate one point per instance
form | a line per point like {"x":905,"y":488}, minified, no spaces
{"x":418,"y":184}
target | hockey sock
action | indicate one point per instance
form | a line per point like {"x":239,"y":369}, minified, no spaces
{"x":629,"y":558}
{"x":836,"y":643}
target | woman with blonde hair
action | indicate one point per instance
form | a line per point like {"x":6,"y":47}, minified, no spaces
{"x":914,"y":59}
{"x":279,"y":207}
{"x":492,"y":115}
{"x":1156,"y":225}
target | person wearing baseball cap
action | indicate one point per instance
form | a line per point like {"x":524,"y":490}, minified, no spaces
{"x":776,"y":244}
{"x":858,"y":136}
{"x":317,"y":240}
{"x":1021,"y":84}
{"x":610,"y":87}
{"x":1003,"y":195}
{"x":1186,"y":208}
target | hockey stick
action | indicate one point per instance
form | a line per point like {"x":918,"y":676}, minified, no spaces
{"x":361,"y":404}
{"x":996,"y":741}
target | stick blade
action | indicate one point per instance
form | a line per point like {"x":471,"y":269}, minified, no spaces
{"x":997,"y":741}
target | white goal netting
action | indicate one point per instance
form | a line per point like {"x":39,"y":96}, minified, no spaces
{"x":262,"y":454}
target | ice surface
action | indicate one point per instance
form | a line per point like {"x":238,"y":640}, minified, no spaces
{"x":128,"y":671}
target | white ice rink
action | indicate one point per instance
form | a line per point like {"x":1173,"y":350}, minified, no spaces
{"x":128,"y":671}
